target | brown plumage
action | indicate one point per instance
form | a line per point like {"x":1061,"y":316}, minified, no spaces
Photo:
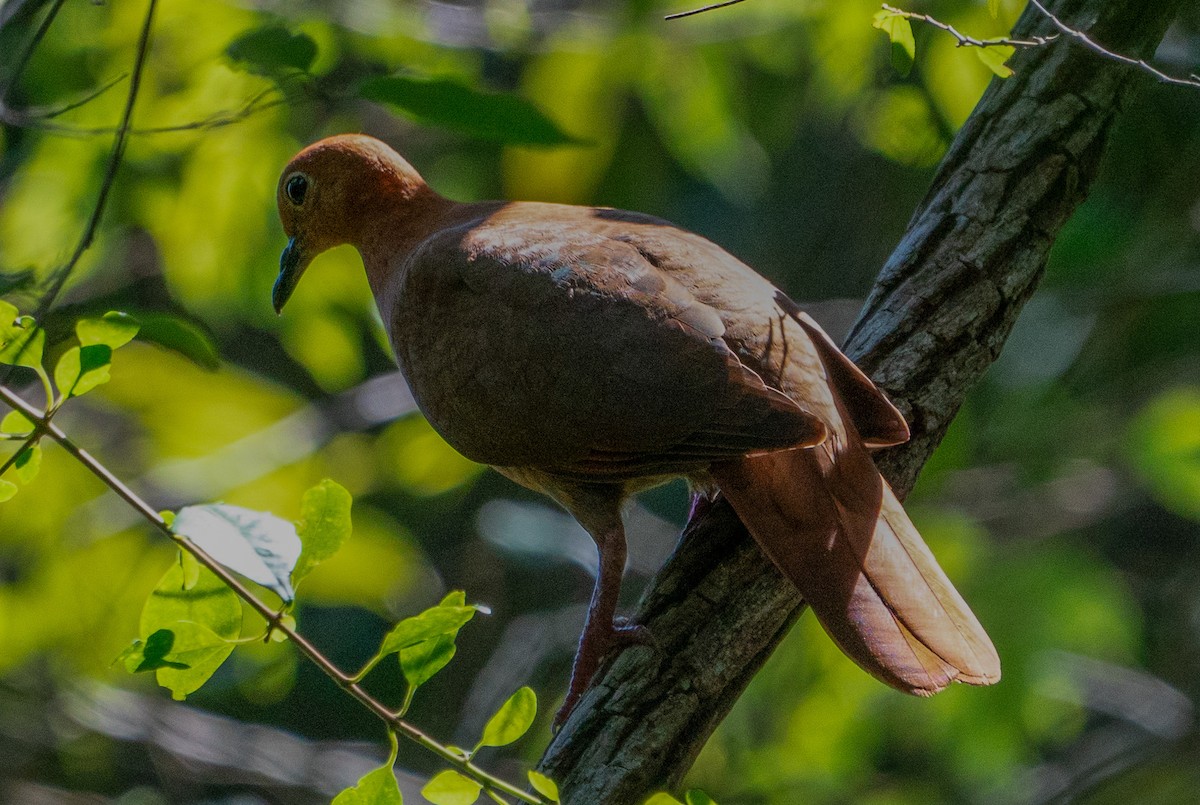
{"x":588,"y":353}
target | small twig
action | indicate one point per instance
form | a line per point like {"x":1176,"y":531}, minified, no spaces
{"x":255,"y":104}
{"x":681,"y":14}
{"x":274,"y":619}
{"x":1193,"y":80}
{"x":48,"y":113}
{"x":27,"y":54}
{"x":59,"y":278}
{"x":970,"y":41}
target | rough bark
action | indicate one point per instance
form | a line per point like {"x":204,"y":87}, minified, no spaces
{"x":936,"y":319}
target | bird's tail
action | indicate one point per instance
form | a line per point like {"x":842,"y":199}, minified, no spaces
{"x":831,"y":523}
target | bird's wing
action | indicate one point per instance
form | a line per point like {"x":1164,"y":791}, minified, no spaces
{"x":606,"y":364}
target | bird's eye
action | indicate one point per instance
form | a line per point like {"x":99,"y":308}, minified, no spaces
{"x":296,"y":188}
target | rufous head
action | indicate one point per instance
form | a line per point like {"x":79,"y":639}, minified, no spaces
{"x":332,"y":193}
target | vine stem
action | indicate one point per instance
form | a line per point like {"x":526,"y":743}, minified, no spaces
{"x":274,"y":619}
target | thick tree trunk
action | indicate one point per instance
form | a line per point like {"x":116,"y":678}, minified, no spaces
{"x":936,"y":319}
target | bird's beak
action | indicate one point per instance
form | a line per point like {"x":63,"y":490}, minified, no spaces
{"x":292,"y":263}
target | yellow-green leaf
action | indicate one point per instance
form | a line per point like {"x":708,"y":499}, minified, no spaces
{"x":21,"y":340}
{"x":28,"y":462}
{"x":899,"y":32}
{"x":15,"y":422}
{"x":994,"y":8}
{"x":7,"y":490}
{"x":81,"y":369}
{"x":512,"y":720}
{"x":451,"y":788}
{"x":995,"y":57}
{"x":114,"y":329}
{"x":662,"y":798}
{"x":377,"y":787}
{"x":323,"y":526}
{"x":543,"y":785}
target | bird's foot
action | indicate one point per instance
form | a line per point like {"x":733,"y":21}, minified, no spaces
{"x":596,"y":644}
{"x":627,"y":633}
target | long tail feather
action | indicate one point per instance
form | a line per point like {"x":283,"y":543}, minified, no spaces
{"x":835,"y":528}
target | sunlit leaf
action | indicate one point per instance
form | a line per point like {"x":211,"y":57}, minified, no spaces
{"x":543,"y":785}
{"x":662,"y":798}
{"x":7,"y":490}
{"x":212,"y":614}
{"x":995,"y":57}
{"x":81,"y":369}
{"x":272,"y":49}
{"x":15,"y":422}
{"x":378,"y":787}
{"x":899,"y":32}
{"x":433,"y":622}
{"x":180,"y":335}
{"x":150,"y":654}
{"x":512,"y":720}
{"x":994,"y":8}
{"x":28,"y":462}
{"x":698,"y":797}
{"x":260,"y":546}
{"x":449,"y":104}
{"x":420,"y":662}
{"x":21,"y":340}
{"x":451,"y":788}
{"x":324,"y":525}
{"x":114,"y":329}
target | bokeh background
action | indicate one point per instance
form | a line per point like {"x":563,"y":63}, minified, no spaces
{"x":1065,"y":501}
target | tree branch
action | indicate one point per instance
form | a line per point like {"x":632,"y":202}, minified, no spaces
{"x":940,"y":312}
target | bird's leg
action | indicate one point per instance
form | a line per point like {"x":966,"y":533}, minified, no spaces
{"x":601,"y":633}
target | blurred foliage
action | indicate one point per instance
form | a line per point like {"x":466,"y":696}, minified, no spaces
{"x":1065,"y":501}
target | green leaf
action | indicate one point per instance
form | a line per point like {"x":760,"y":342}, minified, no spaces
{"x":150,"y":654}
{"x":260,"y":546}
{"x":512,"y":720}
{"x":698,"y":797}
{"x":378,"y":787}
{"x":16,"y":422}
{"x":899,"y":32}
{"x":202,"y":619}
{"x":994,"y":8}
{"x":323,"y":526}
{"x":272,"y":49}
{"x":28,"y":462}
{"x":190,"y":566}
{"x":451,"y":788}
{"x":7,"y":490}
{"x":543,"y":785}
{"x":180,"y":335}
{"x":995,"y":57}
{"x":422,"y":661}
{"x":662,"y":798}
{"x":21,"y":340}
{"x":81,"y":369}
{"x":446,"y":103}
{"x":114,"y":330}
{"x":433,"y":622}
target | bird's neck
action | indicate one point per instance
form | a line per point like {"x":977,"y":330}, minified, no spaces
{"x":391,"y":231}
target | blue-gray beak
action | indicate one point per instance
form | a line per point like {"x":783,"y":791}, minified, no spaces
{"x":292,"y":263}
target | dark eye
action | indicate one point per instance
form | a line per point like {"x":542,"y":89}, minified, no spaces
{"x":296,"y":188}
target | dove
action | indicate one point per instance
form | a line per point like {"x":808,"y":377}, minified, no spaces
{"x":590,"y":353}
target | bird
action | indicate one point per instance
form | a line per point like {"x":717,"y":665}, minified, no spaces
{"x":589,"y":353}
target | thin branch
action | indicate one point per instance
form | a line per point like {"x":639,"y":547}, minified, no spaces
{"x":255,"y":104}
{"x":60,"y":277}
{"x":1193,"y":80}
{"x":681,"y":14}
{"x":24,"y":117}
{"x":970,"y":41}
{"x":27,"y":54}
{"x":274,"y":619}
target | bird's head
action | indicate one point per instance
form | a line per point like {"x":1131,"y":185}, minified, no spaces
{"x":336,"y":191}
